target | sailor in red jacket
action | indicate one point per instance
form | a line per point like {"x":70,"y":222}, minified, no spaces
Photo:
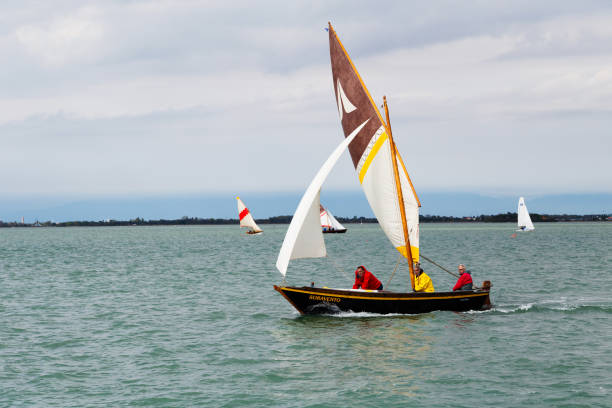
{"x":465,"y":279}
{"x":364,"y":279}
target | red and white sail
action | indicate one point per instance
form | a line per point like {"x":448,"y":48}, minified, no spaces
{"x":372,"y":154}
{"x":246,"y":219}
{"x":328,"y":221}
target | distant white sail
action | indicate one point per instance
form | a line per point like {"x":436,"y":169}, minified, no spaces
{"x":246,"y":219}
{"x":524,"y":221}
{"x":329,"y":222}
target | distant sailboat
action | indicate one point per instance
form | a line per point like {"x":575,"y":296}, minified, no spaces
{"x":246,"y":219}
{"x":329,"y":223}
{"x":524,"y":221}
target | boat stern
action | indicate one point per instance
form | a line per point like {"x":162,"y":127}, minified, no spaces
{"x":486,"y":286}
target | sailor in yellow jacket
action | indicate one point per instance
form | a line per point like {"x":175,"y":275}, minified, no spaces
{"x":422,"y":282}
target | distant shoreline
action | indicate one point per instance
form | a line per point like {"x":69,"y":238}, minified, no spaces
{"x":286,"y":219}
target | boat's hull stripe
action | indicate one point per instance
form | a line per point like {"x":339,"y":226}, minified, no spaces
{"x":383,"y":298}
{"x":325,"y":301}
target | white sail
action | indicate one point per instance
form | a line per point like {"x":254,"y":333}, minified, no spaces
{"x":304,"y":237}
{"x":524,"y":221}
{"x":329,"y":222}
{"x":376,"y":175}
{"x":246,"y":219}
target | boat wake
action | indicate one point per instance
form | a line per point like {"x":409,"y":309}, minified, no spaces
{"x":342,"y":315}
{"x":563,"y":306}
{"x":512,"y":309}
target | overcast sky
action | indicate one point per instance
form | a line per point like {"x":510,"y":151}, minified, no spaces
{"x":171,"y":97}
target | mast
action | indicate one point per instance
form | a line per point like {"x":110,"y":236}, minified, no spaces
{"x":400,"y":195}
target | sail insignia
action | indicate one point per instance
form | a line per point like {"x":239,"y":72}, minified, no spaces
{"x":344,"y":105}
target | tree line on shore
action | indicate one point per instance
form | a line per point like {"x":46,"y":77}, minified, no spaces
{"x":286,"y":219}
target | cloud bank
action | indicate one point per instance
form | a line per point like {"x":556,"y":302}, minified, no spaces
{"x":169,"y":97}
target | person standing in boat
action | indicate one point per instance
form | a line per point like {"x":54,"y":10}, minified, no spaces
{"x":465,"y":279}
{"x":422,"y":282}
{"x":365,"y":279}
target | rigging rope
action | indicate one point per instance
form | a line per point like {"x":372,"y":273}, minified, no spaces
{"x":444,"y":269}
{"x":336,"y":267}
{"x":439,"y":266}
{"x":399,"y":258}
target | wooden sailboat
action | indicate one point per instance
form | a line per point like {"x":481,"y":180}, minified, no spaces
{"x":329,"y":223}
{"x":391,"y":195}
{"x":246,"y":219}
{"x":524,"y":220}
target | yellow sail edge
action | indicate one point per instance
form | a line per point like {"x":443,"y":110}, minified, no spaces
{"x":366,"y":165}
{"x":414,"y":250}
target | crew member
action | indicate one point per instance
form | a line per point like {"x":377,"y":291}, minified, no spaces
{"x":422,"y":282}
{"x":465,"y":279}
{"x":365,"y":279}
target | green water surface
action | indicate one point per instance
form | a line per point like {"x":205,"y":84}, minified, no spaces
{"x":187,"y":316}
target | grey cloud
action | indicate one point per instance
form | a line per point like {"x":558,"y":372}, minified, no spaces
{"x":195,"y":96}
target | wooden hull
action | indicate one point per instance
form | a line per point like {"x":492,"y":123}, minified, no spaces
{"x":253,"y":232}
{"x":308,"y":300}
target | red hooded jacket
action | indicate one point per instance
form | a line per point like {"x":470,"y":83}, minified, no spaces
{"x":369,"y":281}
{"x":464,"y":279}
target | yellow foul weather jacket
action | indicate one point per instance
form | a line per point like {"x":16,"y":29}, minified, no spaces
{"x":423,"y":283}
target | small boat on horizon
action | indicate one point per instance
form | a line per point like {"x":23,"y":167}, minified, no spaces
{"x":391,"y":195}
{"x":329,"y":223}
{"x":246,"y":219}
{"x":524,"y":220}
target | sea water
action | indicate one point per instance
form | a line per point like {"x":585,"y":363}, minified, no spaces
{"x":187,"y":316}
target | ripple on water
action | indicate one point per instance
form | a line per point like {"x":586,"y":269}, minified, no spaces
{"x":186,"y":316}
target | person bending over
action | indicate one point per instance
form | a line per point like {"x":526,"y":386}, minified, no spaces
{"x":365,"y":279}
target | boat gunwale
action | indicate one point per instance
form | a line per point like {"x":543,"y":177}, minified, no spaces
{"x":383,"y":295}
